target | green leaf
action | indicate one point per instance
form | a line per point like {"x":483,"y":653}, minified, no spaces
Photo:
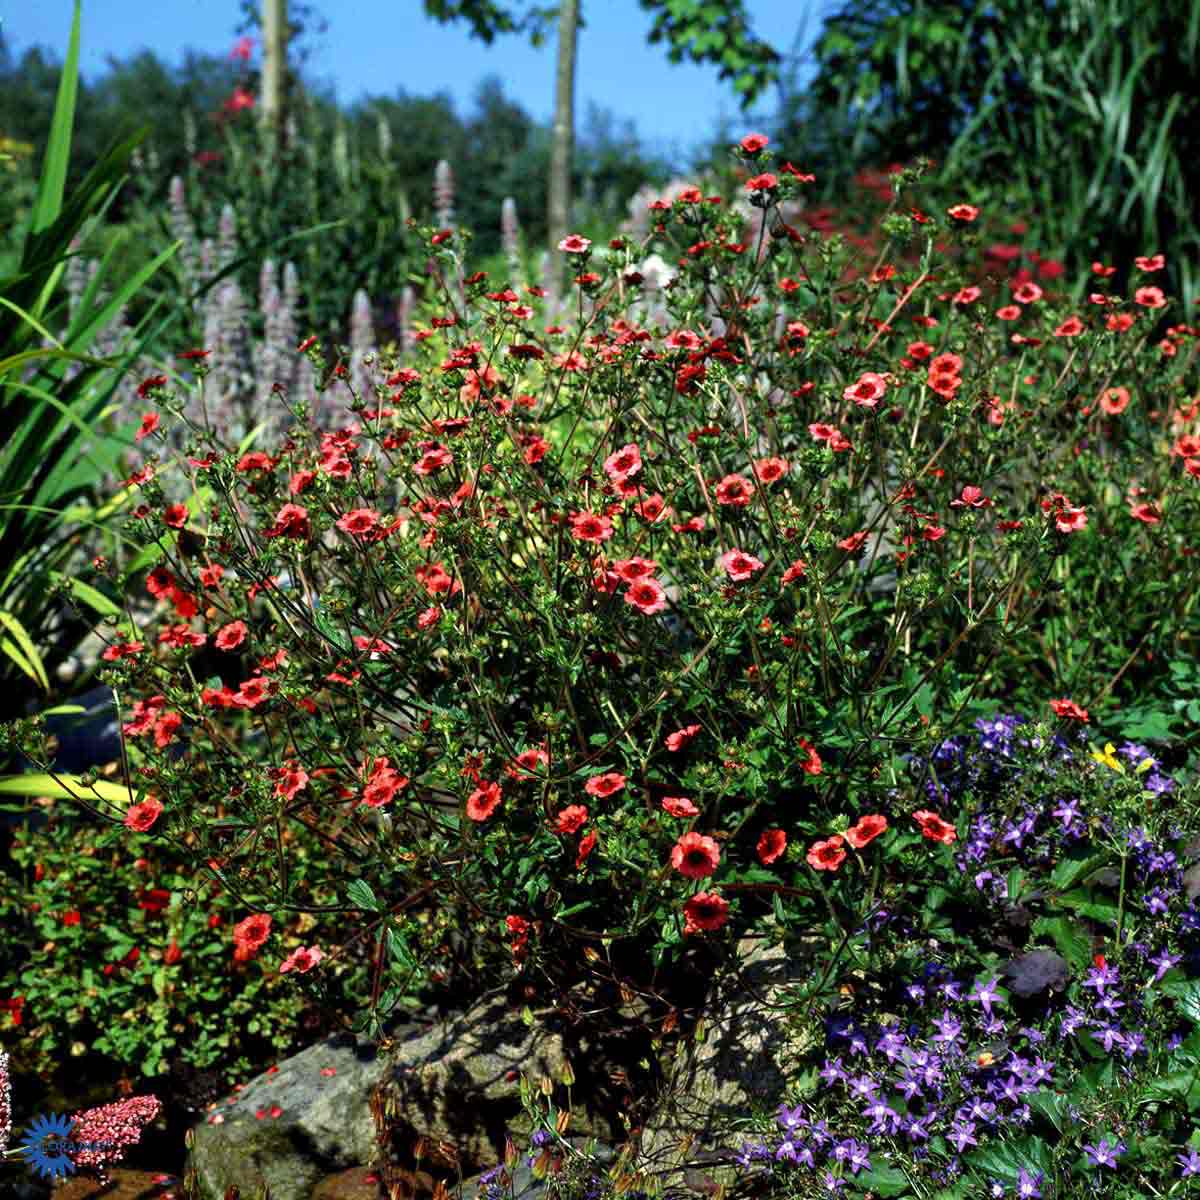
{"x":1006,"y":1159}
{"x":361,"y":895}
{"x":883,"y":1180}
{"x":48,"y":203}
{"x":1186,"y":993}
{"x":1069,"y":939}
{"x":65,"y":787}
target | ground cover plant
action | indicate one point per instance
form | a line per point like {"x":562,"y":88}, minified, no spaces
{"x":584,"y":650}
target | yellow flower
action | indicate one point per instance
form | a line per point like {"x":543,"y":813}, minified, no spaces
{"x":1108,"y":756}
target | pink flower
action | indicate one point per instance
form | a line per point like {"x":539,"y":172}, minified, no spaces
{"x":302,"y":959}
{"x":108,"y":1131}
{"x":739,"y":565}
{"x":575,"y":244}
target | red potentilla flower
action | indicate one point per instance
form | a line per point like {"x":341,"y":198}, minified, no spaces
{"x":1069,"y":709}
{"x":148,"y":385}
{"x":1148,"y":514}
{"x":571,"y":819}
{"x":821,"y":432}
{"x":1153,"y":262}
{"x":1010,"y":312}
{"x":71,"y":917}
{"x":647,"y":596}
{"x":854,"y":543}
{"x":210,"y":576}
{"x":250,"y":935}
{"x":359,"y":521}
{"x":256,"y":460}
{"x":588,"y":527}
{"x":966,"y":213}
{"x":752,"y":143}
{"x":587,"y":844}
{"x":624,"y":463}
{"x":812,"y":762}
{"x":739,"y":565}
{"x":771,"y":844}
{"x":934,"y":828}
{"x":971,"y":497}
{"x":482,"y":802}
{"x":1114,"y":400}
{"x":866,"y":830}
{"x":695,"y":855}
{"x":769,"y":470}
{"x":679,"y":806}
{"x":1071,"y":327}
{"x":575,"y":244}
{"x":230,"y":636}
{"x":252,"y":693}
{"x":794,"y":571}
{"x":435,"y":580}
{"x":1027,"y":293}
{"x":604,"y":785}
{"x":302,"y":959}
{"x":827,"y":855}
{"x":1150,"y":297}
{"x":867,"y":391}
{"x":766,"y":182}
{"x":433,"y":460}
{"x":1070,"y":520}
{"x":736,"y":490}
{"x":238,"y":99}
{"x":290,"y":521}
{"x":165,"y":727}
{"x":967,"y":295}
{"x":704,"y":913}
{"x":150,"y":422}
{"x":291,"y":780}
{"x":680,"y":738}
{"x":633,"y":569}
{"x":654,"y":508}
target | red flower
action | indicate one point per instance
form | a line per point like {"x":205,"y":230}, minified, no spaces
{"x":150,"y":422}
{"x":148,"y":385}
{"x":172,"y":954}
{"x":679,"y":806}
{"x":768,"y":470}
{"x":239,"y":99}
{"x":624,"y":463}
{"x":302,"y":959}
{"x":572,"y":819}
{"x":230,"y":636}
{"x":588,"y":527}
{"x":971,"y":497}
{"x":752,"y":143}
{"x":71,"y":917}
{"x":794,"y":572}
{"x":765,"y":182}
{"x":695,"y":855}
{"x":358,"y":521}
{"x":482,"y":802}
{"x":1068,"y":708}
{"x":966,"y":213}
{"x":827,"y":855}
{"x":854,"y":543}
{"x":812,"y":762}
{"x":934,"y":828}
{"x":250,"y":934}
{"x":866,"y":831}
{"x":605,"y":785}
{"x":771,"y":844}
{"x":705,"y":912}
{"x":290,"y":521}
{"x":1114,"y":400}
{"x":867,"y":391}
{"x":587,"y":844}
{"x":739,"y":565}
{"x":141,"y":817}
{"x":575,"y":244}
{"x":680,"y":738}
{"x":1150,"y":297}
{"x":291,"y":780}
{"x":736,"y":490}
{"x":647,"y":596}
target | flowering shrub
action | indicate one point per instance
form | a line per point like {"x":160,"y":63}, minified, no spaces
{"x":116,"y":948}
{"x":592,"y":643}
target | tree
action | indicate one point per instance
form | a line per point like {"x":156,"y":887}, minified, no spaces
{"x":706,"y":31}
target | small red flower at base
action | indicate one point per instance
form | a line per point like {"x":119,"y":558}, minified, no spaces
{"x":827,"y":855}
{"x":695,"y":855}
{"x":934,"y":828}
{"x":705,"y":912}
{"x":771,"y":844}
{"x":866,"y":830}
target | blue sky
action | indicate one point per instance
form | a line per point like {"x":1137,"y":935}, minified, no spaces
{"x":376,"y":46}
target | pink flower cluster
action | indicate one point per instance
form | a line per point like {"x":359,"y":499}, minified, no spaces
{"x":5,"y":1103}
{"x":113,"y":1127}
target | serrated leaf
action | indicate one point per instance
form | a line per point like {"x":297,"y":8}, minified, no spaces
{"x":361,"y":895}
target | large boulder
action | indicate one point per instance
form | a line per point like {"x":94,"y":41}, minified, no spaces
{"x":456,"y":1083}
{"x":741,"y":1061}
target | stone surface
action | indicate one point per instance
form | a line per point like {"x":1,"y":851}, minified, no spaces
{"x":321,"y":1125}
{"x":455,"y":1082}
{"x":741,"y":1064}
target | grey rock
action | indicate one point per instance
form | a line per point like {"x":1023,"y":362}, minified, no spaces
{"x":747,"y":1053}
{"x":325,"y":1125}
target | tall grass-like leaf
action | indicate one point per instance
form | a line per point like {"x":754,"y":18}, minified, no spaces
{"x":48,"y":202}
